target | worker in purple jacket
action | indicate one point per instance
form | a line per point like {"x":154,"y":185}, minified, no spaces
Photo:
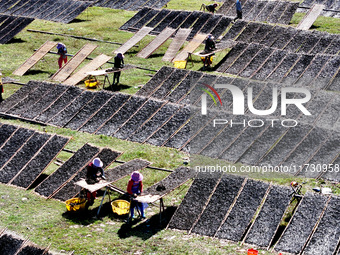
{"x":135,"y":188}
{"x":62,"y":51}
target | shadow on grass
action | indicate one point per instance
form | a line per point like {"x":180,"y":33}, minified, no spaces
{"x":143,"y":229}
{"x":147,"y":228}
{"x":83,"y":217}
{"x":34,"y":72}
{"x":132,"y":51}
{"x":77,"y":21}
{"x":117,"y":87}
{"x":156,"y":55}
{"x":206,"y":68}
{"x":15,"y":40}
{"x":88,"y":216}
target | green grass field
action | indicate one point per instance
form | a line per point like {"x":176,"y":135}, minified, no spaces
{"x":45,"y":221}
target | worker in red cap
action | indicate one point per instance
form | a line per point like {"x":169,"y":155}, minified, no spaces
{"x":296,"y":187}
{"x":210,"y":8}
{"x":119,"y":63}
{"x":135,"y":188}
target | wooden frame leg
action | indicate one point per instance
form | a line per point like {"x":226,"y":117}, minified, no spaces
{"x":129,"y":215}
{"x":161,"y":210}
{"x":101,"y":203}
{"x":106,"y":77}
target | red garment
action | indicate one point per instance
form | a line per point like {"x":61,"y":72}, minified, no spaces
{"x":91,"y":196}
{"x":130,"y":184}
{"x":61,"y":59}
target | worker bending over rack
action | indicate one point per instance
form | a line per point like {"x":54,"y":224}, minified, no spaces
{"x":119,"y":63}
{"x":94,"y":174}
{"x":210,"y":8}
{"x":210,"y":46}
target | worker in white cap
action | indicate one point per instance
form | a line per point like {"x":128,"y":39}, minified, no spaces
{"x":94,"y":174}
{"x":94,"y":171}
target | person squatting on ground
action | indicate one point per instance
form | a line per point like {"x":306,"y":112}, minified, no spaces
{"x":135,"y":188}
{"x":62,"y":52}
{"x":238,"y":10}
{"x":94,"y":174}
{"x":1,"y":88}
{"x":119,"y":63}
{"x":210,"y":8}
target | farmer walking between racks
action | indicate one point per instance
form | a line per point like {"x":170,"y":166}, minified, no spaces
{"x":238,"y":10}
{"x":119,"y":63}
{"x":94,"y":174}
{"x":135,"y":188}
{"x":62,"y":52}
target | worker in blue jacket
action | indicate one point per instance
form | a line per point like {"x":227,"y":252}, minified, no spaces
{"x":238,"y":10}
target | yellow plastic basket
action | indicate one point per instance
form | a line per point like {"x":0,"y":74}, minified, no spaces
{"x":209,"y":61}
{"x":75,"y":204}
{"x":120,"y":207}
{"x":181,"y":64}
{"x":91,"y":83}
